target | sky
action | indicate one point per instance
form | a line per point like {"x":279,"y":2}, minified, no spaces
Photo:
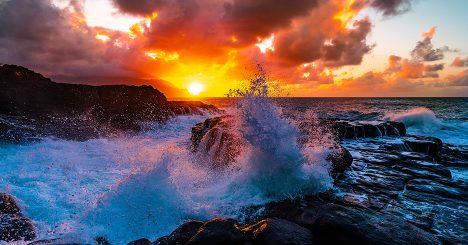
{"x":206,"y":47}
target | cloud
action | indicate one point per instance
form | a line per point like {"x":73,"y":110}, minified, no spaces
{"x":459,"y":80}
{"x":248,"y":19}
{"x":429,"y":34}
{"x":459,"y":62}
{"x":140,"y":7}
{"x":424,"y":50}
{"x":391,"y":7}
{"x":54,"y":41}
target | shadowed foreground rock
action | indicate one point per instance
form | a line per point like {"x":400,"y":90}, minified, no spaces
{"x":13,"y":225}
{"x":277,"y":232}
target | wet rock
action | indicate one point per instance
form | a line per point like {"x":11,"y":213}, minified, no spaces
{"x":437,"y":188}
{"x":452,"y":156}
{"x":59,"y":241}
{"x":354,"y":130}
{"x":182,"y":234}
{"x":371,"y":131}
{"x":428,"y":145}
{"x":191,"y":107}
{"x":215,"y":140}
{"x":278,"y":232}
{"x":341,"y":160}
{"x":142,"y":241}
{"x":336,"y":224}
{"x":8,"y":204}
{"x":217,"y":231}
{"x":14,"y":227}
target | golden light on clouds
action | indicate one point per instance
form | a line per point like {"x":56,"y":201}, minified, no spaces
{"x":102,"y":37}
{"x":159,"y":54}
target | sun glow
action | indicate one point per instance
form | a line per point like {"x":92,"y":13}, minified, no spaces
{"x":195,"y":88}
{"x":266,"y":44}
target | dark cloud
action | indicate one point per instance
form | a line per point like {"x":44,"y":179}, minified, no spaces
{"x":425,"y":51}
{"x":251,"y":19}
{"x":459,"y":80}
{"x":334,"y":45}
{"x":350,"y":47}
{"x":391,"y":7}
{"x":459,"y":62}
{"x":140,"y":7}
{"x":36,"y":34}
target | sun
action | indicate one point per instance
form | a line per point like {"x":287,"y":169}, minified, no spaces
{"x":195,"y":88}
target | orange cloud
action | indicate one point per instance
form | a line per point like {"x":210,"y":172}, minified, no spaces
{"x":459,"y":62}
{"x":430,"y":33}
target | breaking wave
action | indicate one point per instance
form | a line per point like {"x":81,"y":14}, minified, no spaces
{"x":125,"y":188}
{"x":423,"y":121}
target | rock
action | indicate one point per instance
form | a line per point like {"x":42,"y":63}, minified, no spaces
{"x":59,"y":241}
{"x":182,"y":234}
{"x":371,"y":131}
{"x":341,"y":160}
{"x":215,"y":140}
{"x":217,"y":231}
{"x":14,"y":227}
{"x":428,"y":145}
{"x":354,"y":130}
{"x":336,"y":224}
{"x":278,"y":232}
{"x":438,"y":189}
{"x":8,"y":204}
{"x":142,"y":241}
{"x":102,"y":240}
{"x":191,"y":107}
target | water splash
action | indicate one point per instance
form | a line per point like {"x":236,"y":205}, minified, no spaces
{"x":128,"y":187}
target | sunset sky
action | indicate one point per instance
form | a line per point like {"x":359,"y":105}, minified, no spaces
{"x":307,"y":47}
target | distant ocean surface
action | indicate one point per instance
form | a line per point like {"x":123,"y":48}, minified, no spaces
{"x":445,"y":118}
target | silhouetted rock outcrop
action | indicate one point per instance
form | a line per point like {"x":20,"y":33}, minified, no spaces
{"x":34,"y":106}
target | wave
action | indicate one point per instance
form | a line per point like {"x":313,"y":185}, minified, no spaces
{"x":423,"y":121}
{"x":146,"y":185}
{"x":419,"y":117}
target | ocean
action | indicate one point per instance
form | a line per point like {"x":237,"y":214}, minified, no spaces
{"x":145,"y":185}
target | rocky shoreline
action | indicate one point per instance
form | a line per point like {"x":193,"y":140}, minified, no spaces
{"x":32,"y":106}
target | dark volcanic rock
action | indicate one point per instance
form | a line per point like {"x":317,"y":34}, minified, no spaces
{"x":336,"y":224}
{"x":354,"y":130}
{"x":278,"y":232}
{"x":8,"y":204}
{"x":14,"y":227}
{"x":191,"y":107}
{"x":341,"y":160}
{"x":216,"y":141}
{"x":429,"y":145}
{"x":182,"y":234}
{"x":142,"y":241}
{"x":217,"y":231}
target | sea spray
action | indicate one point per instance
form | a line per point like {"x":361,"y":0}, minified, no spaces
{"x":278,"y":167}
{"x":423,"y":121}
{"x":145,"y":185}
